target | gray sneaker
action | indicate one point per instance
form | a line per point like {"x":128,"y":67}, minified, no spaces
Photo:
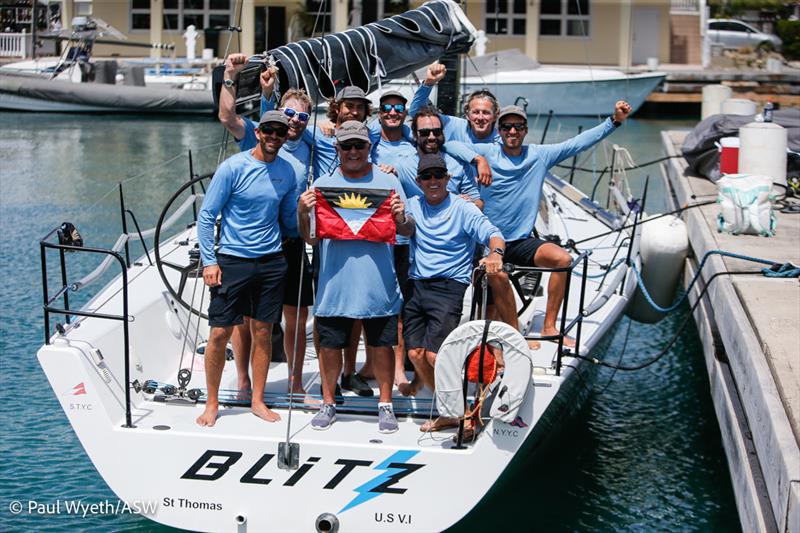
{"x":326,"y":417}
{"x":387,"y":423}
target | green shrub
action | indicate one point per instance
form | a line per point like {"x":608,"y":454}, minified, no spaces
{"x":789,"y":32}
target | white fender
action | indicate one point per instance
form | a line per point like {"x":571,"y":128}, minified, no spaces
{"x":513,"y":384}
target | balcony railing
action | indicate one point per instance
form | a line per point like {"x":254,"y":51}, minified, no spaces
{"x":14,"y":44}
{"x":685,"y":6}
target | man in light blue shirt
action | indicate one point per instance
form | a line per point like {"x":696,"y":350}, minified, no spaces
{"x":447,"y":229}
{"x":357,"y":280}
{"x":511,"y":202}
{"x":255,"y":192}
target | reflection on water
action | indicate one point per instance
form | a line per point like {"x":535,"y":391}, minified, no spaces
{"x":643,"y":455}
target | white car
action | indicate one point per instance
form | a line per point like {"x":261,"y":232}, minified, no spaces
{"x":736,"y":34}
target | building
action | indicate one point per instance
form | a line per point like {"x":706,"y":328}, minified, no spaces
{"x":598,"y":32}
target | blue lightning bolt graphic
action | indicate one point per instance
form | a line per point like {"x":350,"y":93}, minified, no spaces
{"x":364,"y":490}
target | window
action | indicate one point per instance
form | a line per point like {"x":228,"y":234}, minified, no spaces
{"x":366,"y":11}
{"x":179,"y":14}
{"x":321,"y":25}
{"x":505,"y":17}
{"x":564,"y":18}
{"x":83,"y":9}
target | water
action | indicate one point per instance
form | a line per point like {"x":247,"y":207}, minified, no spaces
{"x":643,"y":454}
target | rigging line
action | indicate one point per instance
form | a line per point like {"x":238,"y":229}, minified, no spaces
{"x":641,"y":165}
{"x":677,"y":334}
{"x":309,"y":181}
{"x":619,"y":361}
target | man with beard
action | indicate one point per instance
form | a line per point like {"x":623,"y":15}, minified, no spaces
{"x":480,"y":110}
{"x":255,"y":191}
{"x":357,"y":280}
{"x":296,"y":106}
{"x":511,"y":202}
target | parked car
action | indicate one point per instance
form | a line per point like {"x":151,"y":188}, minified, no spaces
{"x":736,"y":34}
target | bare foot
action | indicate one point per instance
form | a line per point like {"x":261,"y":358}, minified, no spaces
{"x":534,"y":345}
{"x":264,"y":412}
{"x":209,"y":416}
{"x":569,"y":342}
{"x":439,"y":424}
{"x":400,"y":378}
{"x":409,"y":389}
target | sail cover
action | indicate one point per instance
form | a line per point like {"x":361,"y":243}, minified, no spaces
{"x":390,"y":48}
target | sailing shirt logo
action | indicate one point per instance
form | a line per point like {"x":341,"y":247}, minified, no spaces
{"x":354,"y":214}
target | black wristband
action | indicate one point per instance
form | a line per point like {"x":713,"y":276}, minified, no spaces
{"x":616,"y":123}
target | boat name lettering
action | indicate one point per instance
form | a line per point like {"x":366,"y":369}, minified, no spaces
{"x":499,"y":432}
{"x":389,"y":518}
{"x":183,"y":503}
{"x":213,"y":464}
{"x":80,"y":406}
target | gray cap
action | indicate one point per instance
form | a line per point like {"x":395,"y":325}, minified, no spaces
{"x":429,"y":161}
{"x":352,"y":92}
{"x":512,"y":110}
{"x":274,"y":116}
{"x":352,"y":129}
{"x":396,"y":94}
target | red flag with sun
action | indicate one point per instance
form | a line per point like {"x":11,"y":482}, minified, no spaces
{"x":350,"y":213}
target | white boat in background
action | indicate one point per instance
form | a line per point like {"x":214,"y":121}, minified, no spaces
{"x":515,"y":78}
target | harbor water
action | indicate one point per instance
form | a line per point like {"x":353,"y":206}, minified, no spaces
{"x":643,"y":454}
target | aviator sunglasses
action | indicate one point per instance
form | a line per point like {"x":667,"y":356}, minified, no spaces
{"x":301,"y":116}
{"x":509,"y":126}
{"x":387,"y":108}
{"x":358,"y":145}
{"x":280,"y":131}
{"x":439,"y":175}
{"x":425,"y":132}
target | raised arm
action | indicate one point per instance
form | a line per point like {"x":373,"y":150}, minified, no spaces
{"x":555,"y":153}
{"x":234,"y":64}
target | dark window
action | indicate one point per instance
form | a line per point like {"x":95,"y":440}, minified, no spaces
{"x":551,"y":7}
{"x":219,"y":21}
{"x":170,"y":22}
{"x":578,"y":7}
{"x":549,"y":27}
{"x":715,"y":26}
{"x":519,"y":27}
{"x":193,"y":4}
{"x":519,"y":7}
{"x":140,"y":4}
{"x":578,"y":28}
{"x":170,"y":4}
{"x":140,"y":21}
{"x":219,"y":4}
{"x":197,"y":20}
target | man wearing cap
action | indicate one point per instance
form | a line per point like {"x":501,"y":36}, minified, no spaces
{"x":296,"y":105}
{"x":447,"y":228}
{"x":512,"y":200}
{"x":255,"y":191}
{"x":357,"y":279}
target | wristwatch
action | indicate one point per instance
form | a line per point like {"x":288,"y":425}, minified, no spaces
{"x":499,"y":251}
{"x":229,"y":83}
{"x":616,"y":123}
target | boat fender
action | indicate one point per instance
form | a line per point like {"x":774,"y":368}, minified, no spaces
{"x":664,"y":247}
{"x":452,"y":357}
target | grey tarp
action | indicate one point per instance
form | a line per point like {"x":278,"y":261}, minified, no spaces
{"x":702,"y":155}
{"x":116,"y":98}
{"x":391,"y":48}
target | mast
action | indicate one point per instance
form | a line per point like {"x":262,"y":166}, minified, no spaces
{"x":34,"y":28}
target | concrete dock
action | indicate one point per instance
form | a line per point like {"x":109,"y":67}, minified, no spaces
{"x":749,"y":326}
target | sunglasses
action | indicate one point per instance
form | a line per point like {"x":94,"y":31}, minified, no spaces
{"x":280,"y":131}
{"x":425,"y":132}
{"x":301,"y":116}
{"x":508,"y":127}
{"x":425,"y":176}
{"x":358,"y":145}
{"x":387,"y":108}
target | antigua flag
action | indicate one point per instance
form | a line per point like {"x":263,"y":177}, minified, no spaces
{"x":349,"y":213}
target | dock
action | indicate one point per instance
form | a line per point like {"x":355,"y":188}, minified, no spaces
{"x":749,"y":326}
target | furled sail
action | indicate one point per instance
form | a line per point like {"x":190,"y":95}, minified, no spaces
{"x":390,"y":48}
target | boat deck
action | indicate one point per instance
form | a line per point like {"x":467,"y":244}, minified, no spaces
{"x":748,"y":325}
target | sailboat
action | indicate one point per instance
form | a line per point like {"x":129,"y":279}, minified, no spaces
{"x":127,"y":368}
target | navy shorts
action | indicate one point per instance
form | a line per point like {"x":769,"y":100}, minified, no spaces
{"x":522,"y":251}
{"x":294,"y":250}
{"x":334,"y":331}
{"x":432,"y":312}
{"x":401,"y":266}
{"x":250,"y":287}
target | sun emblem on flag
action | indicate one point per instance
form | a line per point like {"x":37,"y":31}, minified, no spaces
{"x":352,"y":201}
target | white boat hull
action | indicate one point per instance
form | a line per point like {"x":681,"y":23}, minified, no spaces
{"x":226,"y":477}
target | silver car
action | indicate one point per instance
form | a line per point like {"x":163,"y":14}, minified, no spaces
{"x":736,"y":34}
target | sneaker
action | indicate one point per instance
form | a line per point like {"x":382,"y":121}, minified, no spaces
{"x":387,"y":423}
{"x":325,"y":417}
{"x":355,"y":383}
